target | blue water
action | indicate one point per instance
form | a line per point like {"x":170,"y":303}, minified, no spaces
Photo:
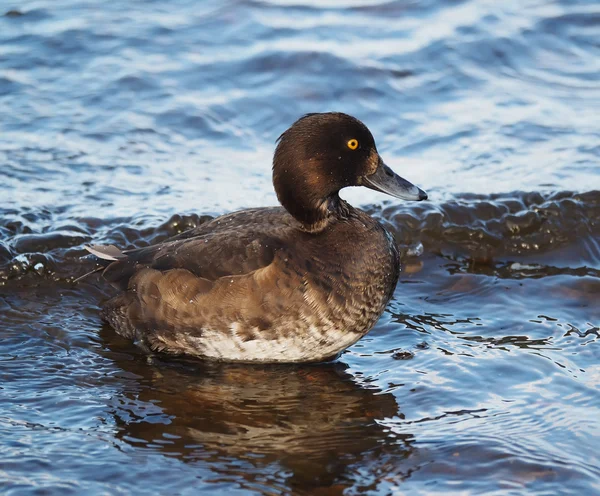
{"x":126,"y":122}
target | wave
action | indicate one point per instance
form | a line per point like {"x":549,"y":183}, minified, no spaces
{"x":520,"y":234}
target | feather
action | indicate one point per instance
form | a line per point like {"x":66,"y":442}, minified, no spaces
{"x":106,"y":252}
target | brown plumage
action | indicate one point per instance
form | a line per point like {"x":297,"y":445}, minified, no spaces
{"x":293,"y":284}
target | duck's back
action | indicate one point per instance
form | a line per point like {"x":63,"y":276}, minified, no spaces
{"x":253,"y":286}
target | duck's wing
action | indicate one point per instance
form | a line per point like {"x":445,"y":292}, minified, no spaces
{"x":230,"y":245}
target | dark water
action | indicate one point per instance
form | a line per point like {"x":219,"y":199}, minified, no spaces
{"x":127,"y":121}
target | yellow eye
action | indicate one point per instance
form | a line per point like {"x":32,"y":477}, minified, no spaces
{"x":352,"y":144}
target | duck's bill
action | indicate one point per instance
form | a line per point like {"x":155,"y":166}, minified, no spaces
{"x":387,"y":181}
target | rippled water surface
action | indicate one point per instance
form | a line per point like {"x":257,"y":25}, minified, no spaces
{"x":127,"y":122}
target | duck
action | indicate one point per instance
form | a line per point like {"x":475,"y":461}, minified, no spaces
{"x":296,"y":283}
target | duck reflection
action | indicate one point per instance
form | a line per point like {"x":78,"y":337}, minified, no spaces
{"x":314,"y":424}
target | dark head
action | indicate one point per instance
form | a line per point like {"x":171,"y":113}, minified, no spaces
{"x":323,"y":153}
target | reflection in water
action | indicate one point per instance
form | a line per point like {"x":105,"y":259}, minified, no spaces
{"x":313,"y":425}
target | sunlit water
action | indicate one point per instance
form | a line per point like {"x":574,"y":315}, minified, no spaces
{"x":126,"y":122}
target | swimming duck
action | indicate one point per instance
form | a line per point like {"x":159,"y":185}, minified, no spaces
{"x":294,"y":284}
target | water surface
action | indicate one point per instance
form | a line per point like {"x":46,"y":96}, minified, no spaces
{"x":127,"y":122}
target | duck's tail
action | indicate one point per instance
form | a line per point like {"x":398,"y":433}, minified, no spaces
{"x":117,"y":266}
{"x":107,"y":255}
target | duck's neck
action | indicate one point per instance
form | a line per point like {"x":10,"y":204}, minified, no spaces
{"x":315,"y":215}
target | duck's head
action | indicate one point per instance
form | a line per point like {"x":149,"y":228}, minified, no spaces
{"x":323,"y":153}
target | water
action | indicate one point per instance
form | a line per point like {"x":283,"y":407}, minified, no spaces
{"x":126,"y":122}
